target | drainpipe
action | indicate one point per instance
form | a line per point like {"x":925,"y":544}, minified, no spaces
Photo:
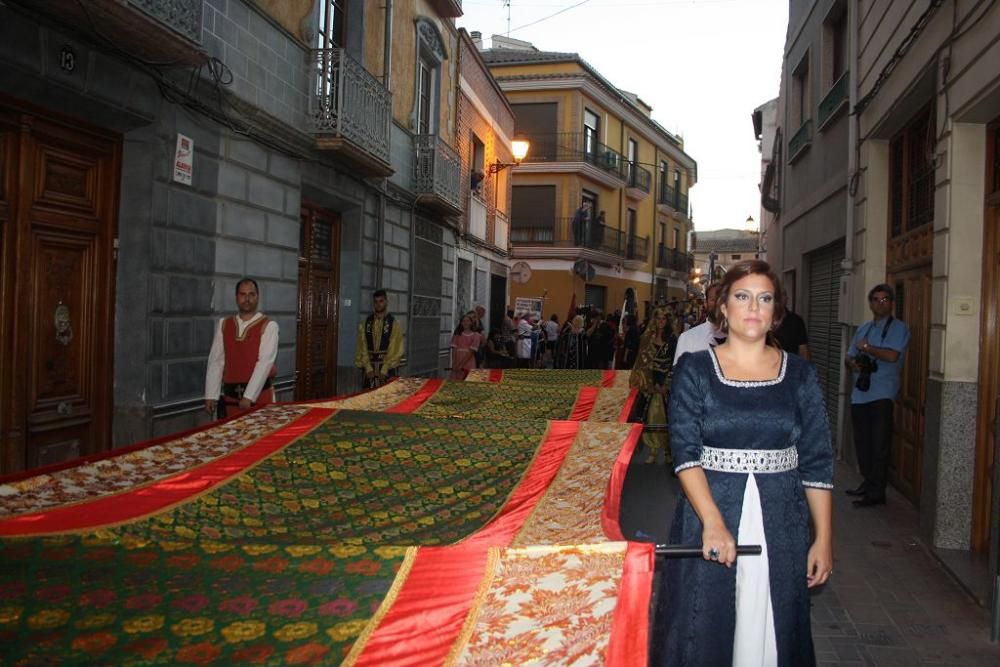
{"x":387,"y":47}
{"x":848,"y":264}
{"x":383,"y":191}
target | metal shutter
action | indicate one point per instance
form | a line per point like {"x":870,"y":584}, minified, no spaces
{"x":594,"y":295}
{"x":821,"y":320}
{"x":424,"y":333}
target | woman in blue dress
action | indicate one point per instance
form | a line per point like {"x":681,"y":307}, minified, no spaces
{"x":751,"y":447}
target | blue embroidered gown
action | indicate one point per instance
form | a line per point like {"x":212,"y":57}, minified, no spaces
{"x":696,"y":607}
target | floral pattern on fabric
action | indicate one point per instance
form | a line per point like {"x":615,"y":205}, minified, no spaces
{"x":549,"y":376}
{"x":365,"y":477}
{"x":570,"y":512}
{"x":609,"y":404}
{"x":144,"y":466}
{"x":379,"y":400}
{"x":482,"y":400}
{"x":546,"y":605}
{"x":82,"y":600}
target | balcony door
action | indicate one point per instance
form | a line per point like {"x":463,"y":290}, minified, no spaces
{"x":58,"y":210}
{"x":317,"y":315}
{"x":591,"y":134}
{"x":331,"y":24}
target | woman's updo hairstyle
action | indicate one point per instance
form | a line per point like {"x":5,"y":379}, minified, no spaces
{"x":741,"y":270}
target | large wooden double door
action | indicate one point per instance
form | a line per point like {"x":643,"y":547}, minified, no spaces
{"x":58,"y":207}
{"x":318,"y":299}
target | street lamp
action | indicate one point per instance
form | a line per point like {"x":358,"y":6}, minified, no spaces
{"x":519,"y":147}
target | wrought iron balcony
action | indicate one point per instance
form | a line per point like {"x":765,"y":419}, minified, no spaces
{"x":673,"y":197}
{"x":800,"y":140}
{"x":575,"y":147}
{"x":673,"y":259}
{"x":637,"y":248}
{"x":559,"y":233}
{"x":181,"y":16}
{"x":436,"y":174}
{"x":349,"y":111}
{"x":637,"y":177}
{"x":835,"y":98}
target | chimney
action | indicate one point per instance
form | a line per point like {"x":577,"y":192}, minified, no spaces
{"x":477,"y":39}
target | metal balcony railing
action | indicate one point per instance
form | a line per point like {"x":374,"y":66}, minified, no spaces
{"x":674,"y":198}
{"x":834,"y":98}
{"x":637,"y":177}
{"x":801,"y":139}
{"x":348,"y":103}
{"x":637,"y":248}
{"x":181,"y":16}
{"x":437,"y":170}
{"x":476,"y":217}
{"x":673,"y":259}
{"x":575,"y":147}
{"x":559,"y":233}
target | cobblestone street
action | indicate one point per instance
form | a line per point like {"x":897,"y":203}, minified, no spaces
{"x":889,"y":602}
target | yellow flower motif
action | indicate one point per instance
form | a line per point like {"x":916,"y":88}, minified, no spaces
{"x":337,"y":475}
{"x":346,"y":550}
{"x":193,"y":627}
{"x":310,"y":503}
{"x":426,"y":520}
{"x":293,"y":631}
{"x":380,"y":483}
{"x":266,"y":488}
{"x":185,"y":532}
{"x":347,"y":629}
{"x":404,"y":486}
{"x":95,"y":621}
{"x":143,"y":624}
{"x":250,"y":521}
{"x":167,"y":519}
{"x":447,"y":490}
{"x":98,"y":538}
{"x":175,"y":546}
{"x":317,"y":466}
{"x":379,"y":515}
{"x":355,"y":511}
{"x":259,"y":549}
{"x":216,"y":547}
{"x":230,"y":512}
{"x":243,"y":631}
{"x":48,"y":618}
{"x":10,"y":614}
{"x":298,"y":551}
{"x":463,"y":462}
{"x":423,"y":458}
{"x":390,"y":552}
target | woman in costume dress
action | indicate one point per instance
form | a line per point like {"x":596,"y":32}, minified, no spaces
{"x":570,"y":345}
{"x":464,"y":345}
{"x":752,"y":450}
{"x":651,"y":376}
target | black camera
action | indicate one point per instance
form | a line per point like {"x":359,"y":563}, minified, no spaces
{"x":866,"y":366}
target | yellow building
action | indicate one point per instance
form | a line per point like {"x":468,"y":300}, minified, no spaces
{"x":591,"y":142}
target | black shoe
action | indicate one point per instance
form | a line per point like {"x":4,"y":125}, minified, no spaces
{"x":859,"y":491}
{"x":868,"y":502}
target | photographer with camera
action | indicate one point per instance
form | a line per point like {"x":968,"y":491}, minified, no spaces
{"x":876,"y":358}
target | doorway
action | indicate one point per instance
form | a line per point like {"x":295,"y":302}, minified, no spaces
{"x":58,"y":216}
{"x":317,"y":315}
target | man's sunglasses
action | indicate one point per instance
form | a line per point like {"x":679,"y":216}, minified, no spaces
{"x":879,"y":299}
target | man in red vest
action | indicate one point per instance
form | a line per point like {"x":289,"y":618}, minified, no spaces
{"x":241,"y":362}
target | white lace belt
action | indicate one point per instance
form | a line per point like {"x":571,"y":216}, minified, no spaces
{"x":749,"y":460}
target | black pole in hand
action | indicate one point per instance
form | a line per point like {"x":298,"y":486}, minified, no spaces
{"x":694,"y":550}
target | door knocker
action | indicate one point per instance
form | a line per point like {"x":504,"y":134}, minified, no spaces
{"x":64,"y":329}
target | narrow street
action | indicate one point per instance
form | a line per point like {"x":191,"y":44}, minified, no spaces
{"x":889,"y":602}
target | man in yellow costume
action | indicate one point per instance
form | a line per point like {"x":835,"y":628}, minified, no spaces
{"x":380,"y":344}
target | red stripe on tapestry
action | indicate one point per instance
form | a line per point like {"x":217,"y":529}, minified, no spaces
{"x":496,"y":375}
{"x":630,"y":624}
{"x":627,"y":408}
{"x":608,"y":379}
{"x":130,"y":505}
{"x":420,"y":397}
{"x":612,"y":497}
{"x":429,"y":612}
{"x":454,"y":573}
{"x":585,"y":400}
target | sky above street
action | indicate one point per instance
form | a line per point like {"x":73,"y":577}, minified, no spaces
{"x":703,"y":65}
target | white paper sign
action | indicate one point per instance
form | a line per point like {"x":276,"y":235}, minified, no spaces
{"x":528,"y":306}
{"x":183,"y":160}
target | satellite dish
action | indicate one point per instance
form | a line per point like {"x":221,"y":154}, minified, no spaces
{"x":584,"y":269}
{"x":520,"y":272}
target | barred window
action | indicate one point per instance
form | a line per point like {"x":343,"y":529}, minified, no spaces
{"x":911,"y":169}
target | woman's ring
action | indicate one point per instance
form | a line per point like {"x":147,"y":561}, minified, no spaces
{"x":713,"y":554}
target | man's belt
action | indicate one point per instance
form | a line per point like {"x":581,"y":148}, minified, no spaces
{"x":236,"y":389}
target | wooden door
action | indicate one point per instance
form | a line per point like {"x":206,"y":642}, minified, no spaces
{"x":987,"y":417}
{"x":319,"y":280}
{"x":913,"y":304}
{"x":61,"y":229}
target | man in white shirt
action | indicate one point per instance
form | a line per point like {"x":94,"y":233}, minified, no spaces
{"x":241,"y":361}
{"x":524,"y":329}
{"x":706,"y":334}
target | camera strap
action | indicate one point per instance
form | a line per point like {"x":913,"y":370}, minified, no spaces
{"x":885,"y":328}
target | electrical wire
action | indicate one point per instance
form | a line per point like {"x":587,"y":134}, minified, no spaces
{"x":546,"y":18}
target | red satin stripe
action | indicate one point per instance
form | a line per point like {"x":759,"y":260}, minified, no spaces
{"x":496,"y":375}
{"x":608,"y":379}
{"x":585,"y":400}
{"x":627,"y":408}
{"x":427,"y":617}
{"x":130,"y":505}
{"x":630,"y":625}
{"x":430,"y":610}
{"x":419,"y":398}
{"x":502,"y":530}
{"x":613,"y":495}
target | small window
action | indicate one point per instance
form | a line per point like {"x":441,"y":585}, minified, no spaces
{"x":735,"y":257}
{"x":799,"y":108}
{"x":591,"y":132}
